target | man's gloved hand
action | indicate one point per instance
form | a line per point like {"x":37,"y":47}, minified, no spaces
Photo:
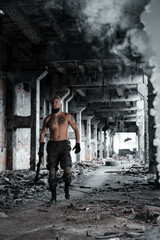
{"x":77,"y":147}
{"x":41,"y":150}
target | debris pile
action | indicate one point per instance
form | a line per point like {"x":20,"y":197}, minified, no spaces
{"x":137,"y":168}
{"x":18,"y":186}
{"x":122,"y":206}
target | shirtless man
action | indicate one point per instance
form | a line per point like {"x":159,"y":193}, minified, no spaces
{"x":58,"y":148}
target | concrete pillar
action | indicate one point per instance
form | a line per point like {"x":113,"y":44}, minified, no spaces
{"x":112,"y":144}
{"x":68,"y":99}
{"x":79,"y":123}
{"x":138,"y":135}
{"x":100,"y":150}
{"x":9,"y":149}
{"x":33,"y":123}
{"x":35,"y":116}
{"x":113,"y":150}
{"x":151,"y":131}
{"x":88,"y":152}
{"x":63,"y":99}
{"x":104,"y":146}
{"x":44,"y":111}
{"x":10,"y":113}
{"x":95,"y":137}
{"x":108,"y":143}
{"x":3,"y":142}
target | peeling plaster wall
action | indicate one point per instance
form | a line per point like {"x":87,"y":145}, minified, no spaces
{"x":21,"y":148}
{"x":22,"y":136}
{"x":23,"y":101}
{"x":2,"y":126}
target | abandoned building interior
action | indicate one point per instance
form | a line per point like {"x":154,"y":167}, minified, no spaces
{"x":96,"y":56}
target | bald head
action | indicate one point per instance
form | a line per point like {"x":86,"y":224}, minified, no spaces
{"x":56,"y":97}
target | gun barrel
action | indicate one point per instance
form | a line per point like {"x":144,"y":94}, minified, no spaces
{"x":38,"y":169}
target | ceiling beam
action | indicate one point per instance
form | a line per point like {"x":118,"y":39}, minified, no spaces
{"x":81,"y":92}
{"x":60,"y":30}
{"x":97,"y":108}
{"x":23,"y":23}
{"x":117,"y":114}
{"x":19,"y":3}
{"x":59,"y":67}
{"x":92,"y":98}
{"x":110,"y":105}
{"x":106,"y":86}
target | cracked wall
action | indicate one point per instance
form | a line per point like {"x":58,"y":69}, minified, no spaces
{"x":2,"y":125}
{"x":22,"y":136}
{"x":21,"y":148}
{"x":22,"y":100}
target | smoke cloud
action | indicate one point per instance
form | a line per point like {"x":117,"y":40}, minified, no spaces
{"x":116,"y":22}
{"x":119,"y":23}
{"x":99,"y":13}
{"x":151,"y":21}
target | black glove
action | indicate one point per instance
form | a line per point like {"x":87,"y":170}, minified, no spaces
{"x":77,"y":147}
{"x":41,"y":150}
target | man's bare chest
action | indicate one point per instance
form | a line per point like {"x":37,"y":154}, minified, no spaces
{"x":59,"y":121}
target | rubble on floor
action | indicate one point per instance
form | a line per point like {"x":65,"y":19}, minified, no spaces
{"x":18,"y":186}
{"x":126,"y":206}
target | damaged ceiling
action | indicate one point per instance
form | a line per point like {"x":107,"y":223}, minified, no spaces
{"x":99,"y":51}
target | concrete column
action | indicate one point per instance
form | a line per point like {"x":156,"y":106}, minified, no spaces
{"x":113,"y":144}
{"x":105,"y":147}
{"x":95,"y":137}
{"x":79,"y":122}
{"x":35,"y":116}
{"x":108,"y":142}
{"x":63,"y":99}
{"x":139,"y":145}
{"x":151,"y":130}
{"x":69,"y":98}
{"x":33,"y":123}
{"x":3,"y":140}
{"x":100,"y":150}
{"x":88,"y":153}
{"x":10,"y":112}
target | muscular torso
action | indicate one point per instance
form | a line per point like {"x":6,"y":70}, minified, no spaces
{"x":58,"y":126}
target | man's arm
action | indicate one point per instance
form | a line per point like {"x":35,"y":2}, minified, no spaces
{"x":74,"y":127}
{"x":41,"y":148}
{"x":44,"y":130}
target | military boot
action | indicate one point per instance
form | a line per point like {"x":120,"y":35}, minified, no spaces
{"x":67,"y":181}
{"x":53,"y":187}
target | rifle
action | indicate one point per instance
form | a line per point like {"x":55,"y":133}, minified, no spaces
{"x":38,"y":169}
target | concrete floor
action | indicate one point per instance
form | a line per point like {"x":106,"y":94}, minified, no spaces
{"x":111,"y":202}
